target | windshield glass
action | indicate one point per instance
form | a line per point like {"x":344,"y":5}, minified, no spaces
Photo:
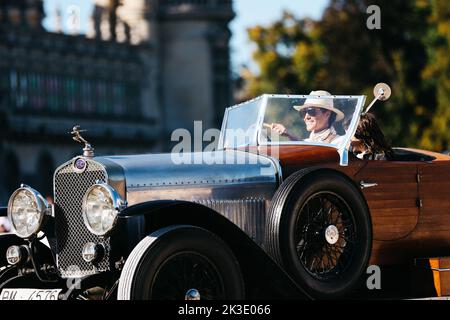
{"x":242,"y":124}
{"x":314,"y":119}
{"x":281,"y":119}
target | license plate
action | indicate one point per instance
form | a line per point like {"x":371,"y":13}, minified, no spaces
{"x":30,"y":294}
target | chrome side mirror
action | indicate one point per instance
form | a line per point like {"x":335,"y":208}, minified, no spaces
{"x":382,"y":92}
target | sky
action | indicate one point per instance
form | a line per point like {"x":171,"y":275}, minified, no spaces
{"x":248,"y":13}
{"x":262,"y":12}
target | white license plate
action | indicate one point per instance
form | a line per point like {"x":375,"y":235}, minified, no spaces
{"x":30,"y":294}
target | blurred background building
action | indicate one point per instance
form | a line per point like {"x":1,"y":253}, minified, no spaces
{"x":140,"y":68}
{"x":145,"y":68}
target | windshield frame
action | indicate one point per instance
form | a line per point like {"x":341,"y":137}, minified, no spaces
{"x":259,"y":119}
{"x":342,"y":148}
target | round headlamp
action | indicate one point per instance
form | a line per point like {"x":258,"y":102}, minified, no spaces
{"x":26,"y":211}
{"x":17,"y":254}
{"x":92,"y":252}
{"x":101,"y":204}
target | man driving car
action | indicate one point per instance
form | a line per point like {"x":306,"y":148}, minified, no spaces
{"x":319,"y":115}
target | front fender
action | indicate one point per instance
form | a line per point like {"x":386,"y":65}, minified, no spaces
{"x":257,"y":267}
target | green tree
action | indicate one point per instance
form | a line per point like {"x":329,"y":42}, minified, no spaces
{"x":289,"y":56}
{"x":437,"y":75}
{"x":340,"y":54}
{"x":360,"y":58}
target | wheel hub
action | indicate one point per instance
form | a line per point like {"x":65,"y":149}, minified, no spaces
{"x":192,"y":294}
{"x":332,"y":234}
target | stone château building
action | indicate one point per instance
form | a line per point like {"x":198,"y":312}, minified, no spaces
{"x":145,"y":68}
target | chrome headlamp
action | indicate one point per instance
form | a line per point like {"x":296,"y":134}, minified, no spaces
{"x":26,"y":211}
{"x":101,"y":205}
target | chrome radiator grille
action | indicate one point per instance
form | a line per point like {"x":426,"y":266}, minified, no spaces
{"x":71,"y":233}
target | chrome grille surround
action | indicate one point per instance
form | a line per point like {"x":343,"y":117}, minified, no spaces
{"x":71,"y":233}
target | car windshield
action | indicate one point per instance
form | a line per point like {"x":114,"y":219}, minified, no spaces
{"x":240,"y":126}
{"x":286,"y":119}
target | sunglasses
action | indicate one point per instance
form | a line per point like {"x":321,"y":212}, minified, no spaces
{"x":310,"y":111}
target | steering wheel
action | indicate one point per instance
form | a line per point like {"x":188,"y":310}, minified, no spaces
{"x":263,"y":133}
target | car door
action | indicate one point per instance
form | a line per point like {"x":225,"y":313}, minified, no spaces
{"x":391,"y":191}
{"x":434,"y":193}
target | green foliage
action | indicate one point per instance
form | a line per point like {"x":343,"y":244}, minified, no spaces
{"x":437,"y":75}
{"x":340,"y":54}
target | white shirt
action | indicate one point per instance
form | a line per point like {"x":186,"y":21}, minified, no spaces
{"x":323,"y":135}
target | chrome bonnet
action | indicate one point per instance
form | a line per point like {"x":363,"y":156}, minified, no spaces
{"x":237,"y":184}
{"x":154,"y":172}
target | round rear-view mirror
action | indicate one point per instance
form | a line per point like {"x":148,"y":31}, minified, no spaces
{"x":382,"y":91}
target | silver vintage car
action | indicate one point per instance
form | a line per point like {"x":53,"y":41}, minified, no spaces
{"x":261,"y":216}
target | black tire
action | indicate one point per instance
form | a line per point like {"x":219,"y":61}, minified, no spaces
{"x":319,"y":229}
{"x":173,"y":260}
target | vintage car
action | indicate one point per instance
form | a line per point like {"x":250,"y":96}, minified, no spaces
{"x":262,"y":216}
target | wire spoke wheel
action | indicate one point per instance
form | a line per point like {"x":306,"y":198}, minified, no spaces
{"x":320,"y":230}
{"x":185,"y":271}
{"x":181,"y":262}
{"x":325,"y":234}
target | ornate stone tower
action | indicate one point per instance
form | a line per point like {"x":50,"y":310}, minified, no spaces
{"x":188,"y":53}
{"x":194,"y":53}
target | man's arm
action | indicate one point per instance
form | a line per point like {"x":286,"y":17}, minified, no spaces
{"x":292,"y":137}
{"x":282,"y":131}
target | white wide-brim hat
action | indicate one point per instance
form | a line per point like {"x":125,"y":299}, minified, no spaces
{"x":319,"y":102}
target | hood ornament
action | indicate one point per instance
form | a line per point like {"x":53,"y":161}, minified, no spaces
{"x":88,"y":150}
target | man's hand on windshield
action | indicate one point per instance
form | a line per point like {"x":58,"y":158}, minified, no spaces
{"x":278,"y":128}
